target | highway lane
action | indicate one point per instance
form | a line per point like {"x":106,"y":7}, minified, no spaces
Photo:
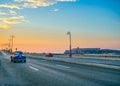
{"x":38,"y":72}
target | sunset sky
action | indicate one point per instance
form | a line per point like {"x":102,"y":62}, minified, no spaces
{"x":41,"y":25}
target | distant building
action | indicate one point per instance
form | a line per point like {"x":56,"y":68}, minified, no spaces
{"x":92,"y":51}
{"x":83,"y":50}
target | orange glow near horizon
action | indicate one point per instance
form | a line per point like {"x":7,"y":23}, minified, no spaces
{"x":58,"y":45}
{"x":29,"y":40}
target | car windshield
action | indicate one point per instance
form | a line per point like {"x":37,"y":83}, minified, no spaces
{"x":17,"y":53}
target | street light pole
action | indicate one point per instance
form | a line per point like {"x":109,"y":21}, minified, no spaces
{"x":68,"y":33}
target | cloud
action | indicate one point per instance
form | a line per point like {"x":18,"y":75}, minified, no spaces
{"x":66,"y":0}
{"x":6,"y":22}
{"x":32,"y":3}
{"x":2,"y":13}
{"x":19,"y":4}
{"x":11,"y":6}
{"x":9,"y":12}
{"x":13,"y":20}
{"x":12,"y":12}
{"x":17,"y":17}
{"x":55,"y":10}
{"x":4,"y":26}
{"x":37,"y":3}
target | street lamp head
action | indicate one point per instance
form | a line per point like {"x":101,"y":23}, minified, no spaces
{"x":68,"y":33}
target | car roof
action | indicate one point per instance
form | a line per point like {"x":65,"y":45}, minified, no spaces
{"x":18,"y":52}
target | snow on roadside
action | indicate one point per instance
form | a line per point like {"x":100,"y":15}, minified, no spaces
{"x":110,"y":62}
{"x":5,"y":55}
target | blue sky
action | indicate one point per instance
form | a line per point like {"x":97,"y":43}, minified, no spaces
{"x":90,"y":21}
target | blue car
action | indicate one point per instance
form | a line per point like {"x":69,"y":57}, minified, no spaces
{"x":18,"y":56}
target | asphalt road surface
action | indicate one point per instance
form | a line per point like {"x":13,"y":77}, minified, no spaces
{"x":39,"y":72}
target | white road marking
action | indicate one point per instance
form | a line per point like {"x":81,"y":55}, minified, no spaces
{"x":62,"y":66}
{"x":33,"y":68}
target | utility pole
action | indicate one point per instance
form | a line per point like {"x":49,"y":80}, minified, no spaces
{"x":12,"y":36}
{"x":68,"y":33}
{"x":9,"y":44}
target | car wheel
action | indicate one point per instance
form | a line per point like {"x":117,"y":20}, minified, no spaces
{"x":11,"y":59}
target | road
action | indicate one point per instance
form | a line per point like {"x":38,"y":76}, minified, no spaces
{"x":39,"y":72}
